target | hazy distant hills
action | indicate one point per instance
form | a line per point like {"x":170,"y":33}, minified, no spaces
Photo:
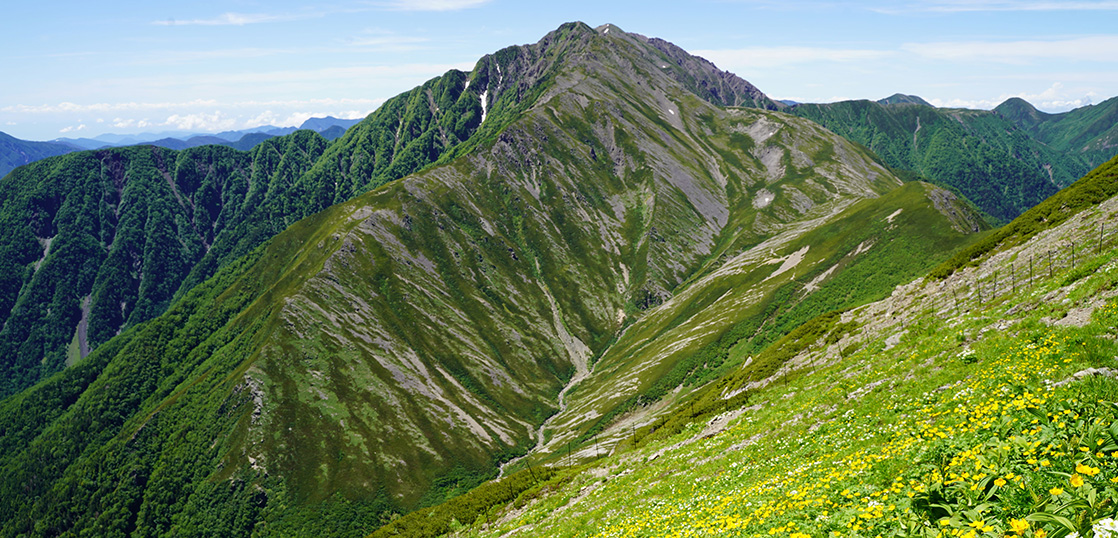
{"x":15,"y":152}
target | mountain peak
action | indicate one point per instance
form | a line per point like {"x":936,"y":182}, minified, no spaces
{"x":900,"y":98}
{"x":1018,"y":106}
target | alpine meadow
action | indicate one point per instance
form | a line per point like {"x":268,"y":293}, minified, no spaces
{"x":595,"y":286}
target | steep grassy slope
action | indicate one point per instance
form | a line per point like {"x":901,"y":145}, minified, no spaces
{"x":999,"y":167}
{"x":840,"y":256}
{"x":1090,"y":132}
{"x":983,"y":405}
{"x":392,"y":350}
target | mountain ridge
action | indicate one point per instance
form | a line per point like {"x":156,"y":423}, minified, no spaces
{"x":990,"y":160}
{"x":390,"y":351}
{"x":454,"y":283}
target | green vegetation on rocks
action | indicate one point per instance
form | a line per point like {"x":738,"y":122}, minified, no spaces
{"x":935,"y":411}
{"x":997,"y":165}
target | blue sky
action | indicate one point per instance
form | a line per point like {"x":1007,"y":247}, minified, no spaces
{"x":79,"y":69}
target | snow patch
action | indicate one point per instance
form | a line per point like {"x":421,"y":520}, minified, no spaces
{"x":484,"y":105}
{"x":672,"y":112}
{"x":890,"y":218}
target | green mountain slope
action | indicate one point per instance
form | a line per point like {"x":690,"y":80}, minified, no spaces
{"x":220,"y":205}
{"x":96,"y":242}
{"x":999,"y":167}
{"x":725,"y":317}
{"x":392,"y":350}
{"x":1090,"y":132}
{"x":15,"y":152}
{"x":978,"y":405}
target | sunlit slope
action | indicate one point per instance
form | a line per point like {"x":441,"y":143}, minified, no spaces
{"x":844,"y":256}
{"x":1000,"y":167}
{"x":980,"y":404}
{"x":392,"y":350}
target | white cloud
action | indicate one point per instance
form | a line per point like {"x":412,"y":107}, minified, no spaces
{"x":264,"y":118}
{"x":388,"y":42}
{"x":762,"y":57}
{"x":353,"y":114}
{"x":433,"y":5}
{"x":71,"y":128}
{"x":235,"y":19}
{"x":66,"y":107}
{"x":962,"y":6}
{"x":1054,"y":99}
{"x":215,"y":121}
{"x":1093,"y":48}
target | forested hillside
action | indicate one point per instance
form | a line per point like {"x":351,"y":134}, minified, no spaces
{"x":1089,"y":133}
{"x":999,"y":167}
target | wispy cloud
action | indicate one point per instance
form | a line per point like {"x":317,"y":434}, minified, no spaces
{"x":237,"y":19}
{"x":72,"y":128}
{"x":764,"y":57}
{"x":1093,"y":48}
{"x":973,"y":6}
{"x":432,"y":5}
{"x":388,"y":42}
{"x":101,"y":108}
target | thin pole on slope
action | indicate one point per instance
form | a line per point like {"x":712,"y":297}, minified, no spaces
{"x":532,"y":472}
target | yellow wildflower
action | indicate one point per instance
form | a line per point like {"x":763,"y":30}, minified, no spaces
{"x":1056,"y":491}
{"x":1018,"y":526}
{"x":1086,"y":469}
{"x":1076,"y":481}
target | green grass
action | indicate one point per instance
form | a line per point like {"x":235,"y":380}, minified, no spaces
{"x":964,"y":428}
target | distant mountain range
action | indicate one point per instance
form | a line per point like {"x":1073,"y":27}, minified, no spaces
{"x":15,"y":152}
